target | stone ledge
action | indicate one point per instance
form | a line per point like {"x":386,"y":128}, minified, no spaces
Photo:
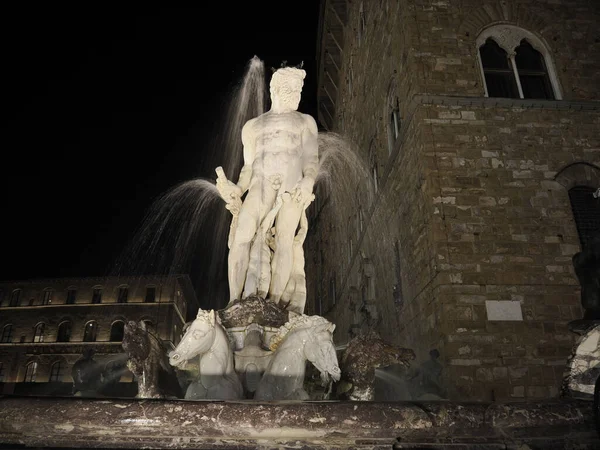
{"x":133,"y":423}
{"x":493,"y":102}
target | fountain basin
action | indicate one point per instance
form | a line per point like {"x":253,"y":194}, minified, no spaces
{"x":134,"y":423}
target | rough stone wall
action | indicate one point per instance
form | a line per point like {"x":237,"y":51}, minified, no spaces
{"x":470,"y":193}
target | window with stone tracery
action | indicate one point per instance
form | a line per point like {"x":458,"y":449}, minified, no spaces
{"x":516,"y":64}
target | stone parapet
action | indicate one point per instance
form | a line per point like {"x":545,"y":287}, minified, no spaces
{"x":132,"y":423}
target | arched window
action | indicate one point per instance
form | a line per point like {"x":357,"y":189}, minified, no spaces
{"x":533,"y":74}
{"x":97,"y":295}
{"x":150,"y":294}
{"x":89,"y":333}
{"x":30,"y":372}
{"x":123,"y":294}
{"x":116,"y":331}
{"x":38,"y":335}
{"x":57,"y":372}
{"x":15,"y":297}
{"x":71,"y":296}
{"x":64,"y":332}
{"x":498,"y":71}
{"x":586,"y":212}
{"x":47,"y":298}
{"x":516,"y":64}
{"x":7,"y":334}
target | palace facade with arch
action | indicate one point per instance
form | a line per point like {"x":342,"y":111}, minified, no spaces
{"x":479,"y":125}
{"x":47,"y":325}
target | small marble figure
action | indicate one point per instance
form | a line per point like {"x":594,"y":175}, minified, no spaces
{"x":147,"y":360}
{"x":364,"y":354}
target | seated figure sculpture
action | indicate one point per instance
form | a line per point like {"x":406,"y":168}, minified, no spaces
{"x":278,"y":176}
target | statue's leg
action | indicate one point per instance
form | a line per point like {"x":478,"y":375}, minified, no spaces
{"x":259,"y":269}
{"x":294,"y":296}
{"x":257,"y":204}
{"x":239,"y":253}
{"x":285,"y":231}
{"x":257,"y":255}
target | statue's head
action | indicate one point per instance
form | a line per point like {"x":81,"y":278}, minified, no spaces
{"x":286,"y":87}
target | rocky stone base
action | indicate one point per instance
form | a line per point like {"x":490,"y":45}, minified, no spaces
{"x":133,"y":423}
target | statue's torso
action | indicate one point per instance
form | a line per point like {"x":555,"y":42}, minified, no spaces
{"x":278,"y":146}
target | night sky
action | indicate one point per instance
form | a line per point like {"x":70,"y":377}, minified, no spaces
{"x":105,"y":109}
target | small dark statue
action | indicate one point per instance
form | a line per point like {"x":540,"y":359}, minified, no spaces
{"x":587,"y":269}
{"x":364,"y":354}
{"x":87,"y":375}
{"x":149,"y":363}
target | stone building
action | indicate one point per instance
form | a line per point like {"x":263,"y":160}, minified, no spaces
{"x":46,"y":326}
{"x":479,"y":125}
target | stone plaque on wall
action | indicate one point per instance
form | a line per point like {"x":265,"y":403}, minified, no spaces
{"x":503,"y":310}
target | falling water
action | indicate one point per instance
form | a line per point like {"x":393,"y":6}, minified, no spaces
{"x":248,"y":102}
{"x":343,"y":173}
{"x":191,"y":216}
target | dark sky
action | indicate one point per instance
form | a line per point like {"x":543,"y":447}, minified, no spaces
{"x":105,"y":109}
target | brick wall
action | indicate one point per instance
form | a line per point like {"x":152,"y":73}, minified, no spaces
{"x":470,"y":208}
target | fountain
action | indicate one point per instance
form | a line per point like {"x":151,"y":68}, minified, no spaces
{"x":257,"y":346}
{"x":267,"y":283}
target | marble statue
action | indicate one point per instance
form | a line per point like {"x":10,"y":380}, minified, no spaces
{"x":365,"y":353}
{"x":302,"y":338}
{"x":207,"y":338}
{"x":583,"y":366}
{"x":277,"y":179}
{"x":147,"y":360}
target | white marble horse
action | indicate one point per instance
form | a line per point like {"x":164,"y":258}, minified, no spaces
{"x":302,"y":338}
{"x":207,"y":338}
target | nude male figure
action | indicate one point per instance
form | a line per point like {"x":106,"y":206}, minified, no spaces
{"x":280,"y":158}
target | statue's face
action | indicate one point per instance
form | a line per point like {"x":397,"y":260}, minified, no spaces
{"x":287,"y":93}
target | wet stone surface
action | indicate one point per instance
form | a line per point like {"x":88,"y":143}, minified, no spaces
{"x":132,"y":423}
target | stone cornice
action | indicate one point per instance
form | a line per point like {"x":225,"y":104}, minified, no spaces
{"x":497,"y":102}
{"x":89,"y":279}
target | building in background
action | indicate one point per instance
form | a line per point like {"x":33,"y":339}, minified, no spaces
{"x":47,"y":325}
{"x":479,"y":124}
